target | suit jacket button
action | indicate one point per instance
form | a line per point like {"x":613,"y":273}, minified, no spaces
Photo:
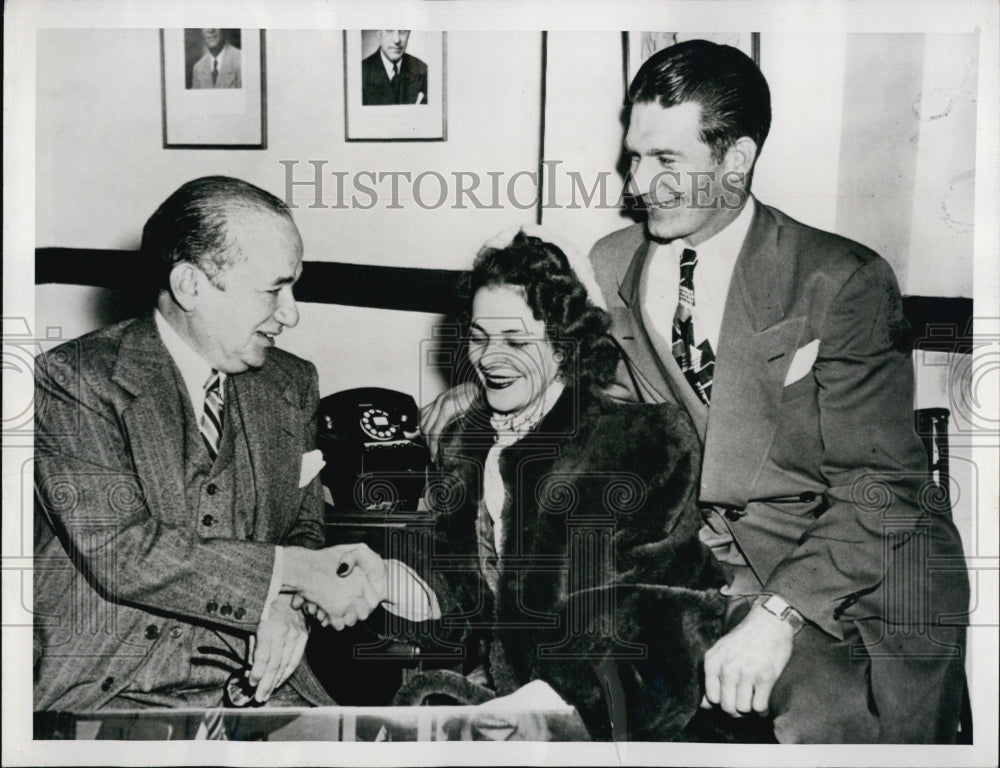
{"x":207,"y":520}
{"x":212,"y":606}
{"x":176,"y":632}
{"x":212,"y":489}
{"x":108,"y":682}
{"x":226,"y":610}
{"x":239,"y":613}
{"x":808,"y":497}
{"x":732,"y":515}
{"x":152,"y":632}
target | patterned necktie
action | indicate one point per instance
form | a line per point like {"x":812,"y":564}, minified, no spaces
{"x":697,"y":361}
{"x":211,"y":417}
{"x":215,"y":70}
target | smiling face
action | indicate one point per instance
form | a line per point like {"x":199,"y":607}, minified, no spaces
{"x":234,"y":326}
{"x":393,"y":42}
{"x":513,"y":358}
{"x":687,"y":193}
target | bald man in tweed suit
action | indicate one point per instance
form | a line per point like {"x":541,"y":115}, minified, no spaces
{"x":178,"y":511}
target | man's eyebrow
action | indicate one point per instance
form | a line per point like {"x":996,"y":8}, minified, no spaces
{"x":286,"y":280}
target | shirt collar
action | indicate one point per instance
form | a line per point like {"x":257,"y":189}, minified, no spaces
{"x":388,"y":64}
{"x":727,"y":243}
{"x":195,"y":370}
{"x":221,"y":54}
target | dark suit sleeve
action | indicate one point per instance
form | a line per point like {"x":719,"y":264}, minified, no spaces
{"x":92,"y":497}
{"x":422,"y":82}
{"x":309,"y":529}
{"x":873,"y":462}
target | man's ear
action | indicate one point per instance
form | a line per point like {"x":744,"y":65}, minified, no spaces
{"x":185,"y":283}
{"x":740,"y":157}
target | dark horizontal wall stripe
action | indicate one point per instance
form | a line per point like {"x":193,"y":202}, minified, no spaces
{"x":938,"y":323}
{"x":353,"y":285}
{"x":88,"y":266}
{"x":358,"y":285}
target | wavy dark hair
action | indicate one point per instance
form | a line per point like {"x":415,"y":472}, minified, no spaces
{"x":576,"y":328}
{"x":733,"y":94}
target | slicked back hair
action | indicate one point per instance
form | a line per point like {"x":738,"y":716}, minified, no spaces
{"x":730,"y":89}
{"x":193,"y":225}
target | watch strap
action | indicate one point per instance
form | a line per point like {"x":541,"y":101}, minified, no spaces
{"x":777,"y":606}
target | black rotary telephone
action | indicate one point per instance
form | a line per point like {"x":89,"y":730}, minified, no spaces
{"x":375,"y":458}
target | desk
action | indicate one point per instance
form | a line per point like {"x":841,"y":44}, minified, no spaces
{"x":354,"y":724}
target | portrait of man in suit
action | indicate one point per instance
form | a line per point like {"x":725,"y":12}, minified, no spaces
{"x":788,"y":348}
{"x":390,"y":75}
{"x":220,"y":66}
{"x":179,"y":513}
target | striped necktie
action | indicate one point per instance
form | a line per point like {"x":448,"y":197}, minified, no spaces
{"x":697,"y":361}
{"x":211,"y":416}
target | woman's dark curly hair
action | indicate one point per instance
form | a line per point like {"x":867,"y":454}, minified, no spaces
{"x":576,"y":328}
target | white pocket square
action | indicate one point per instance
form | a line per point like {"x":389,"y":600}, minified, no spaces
{"x":803,"y":361}
{"x":312,"y":463}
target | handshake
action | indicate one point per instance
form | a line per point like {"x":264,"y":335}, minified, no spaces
{"x":339,"y":586}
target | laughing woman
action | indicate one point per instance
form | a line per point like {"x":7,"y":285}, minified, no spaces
{"x":565,"y":545}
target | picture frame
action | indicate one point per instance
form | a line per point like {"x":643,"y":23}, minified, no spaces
{"x":213,"y":102}
{"x":411,"y":108}
{"x":639,"y":46}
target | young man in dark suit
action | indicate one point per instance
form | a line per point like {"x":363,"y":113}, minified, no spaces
{"x":179,"y":515}
{"x":392,"y":76}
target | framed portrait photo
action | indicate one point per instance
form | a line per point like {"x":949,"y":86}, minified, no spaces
{"x":639,"y":46}
{"x":212,"y":82}
{"x":394,"y":85}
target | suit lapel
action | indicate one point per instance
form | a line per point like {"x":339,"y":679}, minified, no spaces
{"x":227,"y":72}
{"x":153,"y":417}
{"x":756,"y":345}
{"x":272,"y":430}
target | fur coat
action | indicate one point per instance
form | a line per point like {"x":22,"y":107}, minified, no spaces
{"x":604,"y":589}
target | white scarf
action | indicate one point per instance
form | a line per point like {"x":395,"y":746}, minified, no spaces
{"x":509,"y":429}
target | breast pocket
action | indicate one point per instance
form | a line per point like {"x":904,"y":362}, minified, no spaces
{"x":799,"y":390}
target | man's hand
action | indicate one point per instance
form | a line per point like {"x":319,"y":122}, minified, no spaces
{"x":743,"y":665}
{"x":277,"y":647}
{"x":340,"y":585}
{"x":447,"y":406}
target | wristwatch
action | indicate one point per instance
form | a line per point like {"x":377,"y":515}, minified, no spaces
{"x":777,"y":606}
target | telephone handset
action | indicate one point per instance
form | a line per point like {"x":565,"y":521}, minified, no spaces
{"x":375,"y":458}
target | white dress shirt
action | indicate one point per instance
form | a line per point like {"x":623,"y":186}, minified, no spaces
{"x":389,"y":65}
{"x":195,"y":370}
{"x":716,"y":262}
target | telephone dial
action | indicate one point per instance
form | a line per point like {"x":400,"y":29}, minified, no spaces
{"x":375,"y":458}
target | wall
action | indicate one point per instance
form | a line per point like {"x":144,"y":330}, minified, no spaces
{"x":108,"y":106}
